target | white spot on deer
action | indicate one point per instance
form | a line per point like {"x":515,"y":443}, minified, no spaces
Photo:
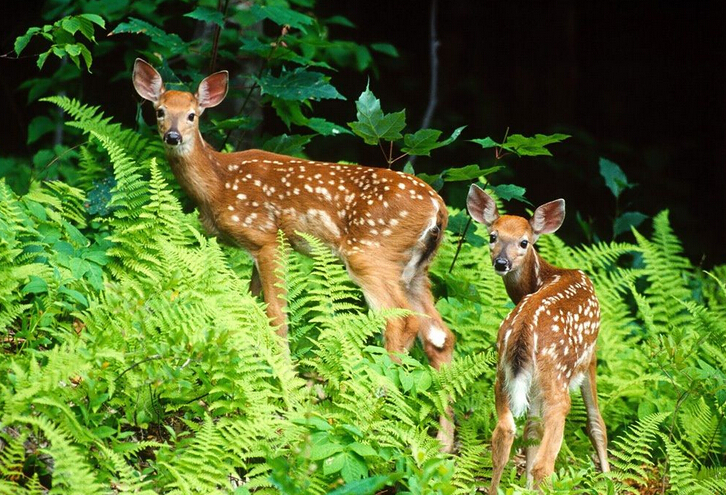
{"x":437,"y":337}
{"x":241,"y":196}
{"x":393,"y":222}
{"x":257,"y":182}
{"x":230,"y":208}
{"x":227,"y":185}
{"x":308,"y":188}
{"x":401,"y":185}
{"x":403,"y":213}
{"x":235,"y":218}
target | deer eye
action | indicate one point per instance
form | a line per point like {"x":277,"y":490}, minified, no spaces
{"x":160,"y":113}
{"x":524,"y":243}
{"x":190,"y":117}
{"x":492,"y":238}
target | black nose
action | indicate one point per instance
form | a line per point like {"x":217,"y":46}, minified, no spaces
{"x":172,"y":138}
{"x":501,"y":265}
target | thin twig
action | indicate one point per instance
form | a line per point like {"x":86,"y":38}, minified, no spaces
{"x":434,"y":69}
{"x":146,"y":360}
{"x":460,"y":243}
{"x":217,"y":31}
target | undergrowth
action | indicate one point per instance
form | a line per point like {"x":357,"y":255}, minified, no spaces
{"x":135,"y":360}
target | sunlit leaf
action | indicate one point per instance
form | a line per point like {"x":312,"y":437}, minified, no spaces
{"x":372,"y":124}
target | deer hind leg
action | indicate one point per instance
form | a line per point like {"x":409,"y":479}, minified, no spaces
{"x":595,"y":424}
{"x":266,"y":264}
{"x":438,"y":343}
{"x":255,"y":282}
{"x":533,"y":436}
{"x":503,"y":435}
{"x":555,"y":408}
{"x":379,"y":281}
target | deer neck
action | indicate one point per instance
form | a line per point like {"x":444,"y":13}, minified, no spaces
{"x":529,"y":277}
{"x":198,"y":170}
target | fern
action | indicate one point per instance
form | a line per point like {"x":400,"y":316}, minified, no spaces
{"x":632,"y":452}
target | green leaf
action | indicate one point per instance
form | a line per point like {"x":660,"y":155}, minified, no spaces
{"x":532,"y":146}
{"x":334,"y":464}
{"x":508,"y":192}
{"x":385,"y":48}
{"x":171,"y":42}
{"x":22,"y":41}
{"x":406,"y":380}
{"x":74,"y":50}
{"x":435,"y":181}
{"x":324,"y":450}
{"x":325,"y":128}
{"x":207,"y":14}
{"x":96,"y":19}
{"x":487,"y":142}
{"x":373,"y":125}
{"x":104,"y":432}
{"x":281,"y":16}
{"x":298,"y":85}
{"x":457,"y":224}
{"x":340,"y":21}
{"x":362,"y":449}
{"x":74,"y":295}
{"x":287,"y":145}
{"x":42,"y":57}
{"x":469,"y":172}
{"x":367,"y":486}
{"x":353,"y":468}
{"x":524,"y":146}
{"x":290,"y":112}
{"x":627,"y":220}
{"x":408,"y":169}
{"x":38,"y":127}
{"x":36,"y":286}
{"x":71,"y":24}
{"x":614,"y":177}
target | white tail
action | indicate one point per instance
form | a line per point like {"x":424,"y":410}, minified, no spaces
{"x":385,"y":226}
{"x":547,"y":343}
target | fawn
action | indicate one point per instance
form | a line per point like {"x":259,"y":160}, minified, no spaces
{"x":546,"y":345}
{"x":384,"y":225}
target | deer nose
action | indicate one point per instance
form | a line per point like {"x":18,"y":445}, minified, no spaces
{"x":172,"y":138}
{"x":501,"y":265}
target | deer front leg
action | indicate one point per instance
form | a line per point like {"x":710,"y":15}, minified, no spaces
{"x":266,"y":263}
{"x":503,"y":435}
{"x":595,"y":424}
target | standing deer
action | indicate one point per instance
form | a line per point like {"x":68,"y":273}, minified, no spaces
{"x":385,"y":226}
{"x":546,"y":344}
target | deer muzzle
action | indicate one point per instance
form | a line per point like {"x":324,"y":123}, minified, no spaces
{"x":501,"y":265}
{"x":173,"y":138}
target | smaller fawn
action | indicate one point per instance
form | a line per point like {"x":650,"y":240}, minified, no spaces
{"x":546,"y":345}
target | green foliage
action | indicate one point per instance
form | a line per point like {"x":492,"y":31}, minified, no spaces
{"x":374,"y":126}
{"x":136,"y":360}
{"x":524,"y":146}
{"x":61,"y":34}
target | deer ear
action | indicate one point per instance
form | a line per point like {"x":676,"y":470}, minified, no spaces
{"x":548,"y":217}
{"x":212,"y":90}
{"x":481,"y":206}
{"x":147,"y":81}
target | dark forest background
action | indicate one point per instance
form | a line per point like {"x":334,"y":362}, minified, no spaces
{"x":640,"y":83}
